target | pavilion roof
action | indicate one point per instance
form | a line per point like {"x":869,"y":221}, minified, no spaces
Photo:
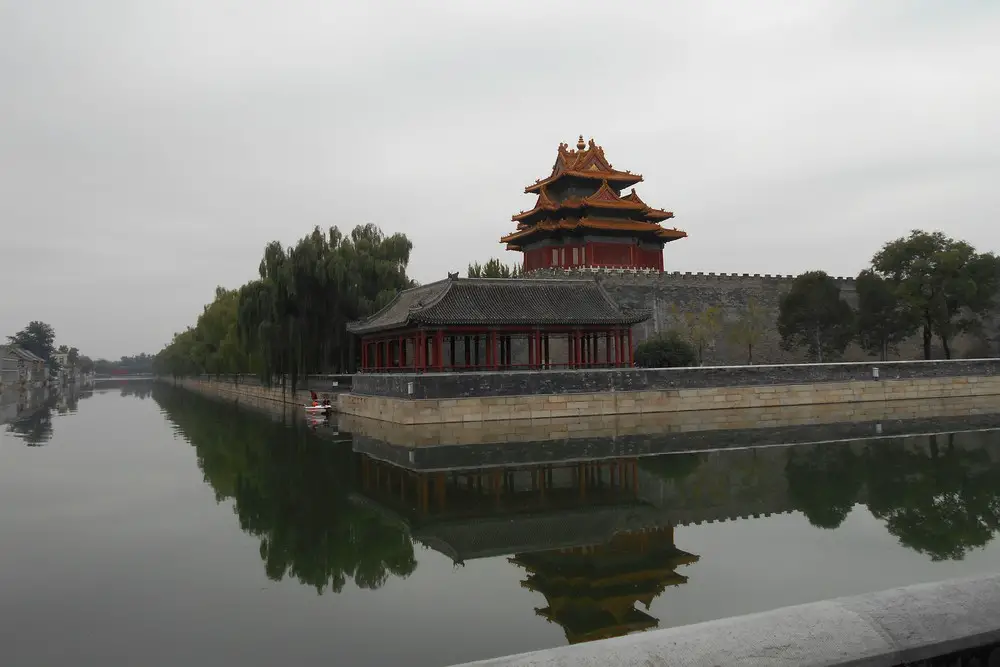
{"x":587,"y":161}
{"x":587,"y":222}
{"x":501,"y":301}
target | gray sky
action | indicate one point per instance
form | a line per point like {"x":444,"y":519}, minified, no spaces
{"x":150,"y":149}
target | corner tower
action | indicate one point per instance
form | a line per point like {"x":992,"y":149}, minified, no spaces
{"x":580,"y":218}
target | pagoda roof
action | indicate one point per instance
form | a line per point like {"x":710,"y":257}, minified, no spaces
{"x":601,"y":224}
{"x":500,"y":301}
{"x":588,"y":162}
{"x":604,"y":198}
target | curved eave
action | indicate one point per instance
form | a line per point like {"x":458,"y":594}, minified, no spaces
{"x":627,"y":318}
{"x":582,"y":204}
{"x":623,"y":226}
{"x":621,"y":179}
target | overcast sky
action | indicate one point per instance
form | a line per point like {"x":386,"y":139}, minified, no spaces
{"x":150,"y":149}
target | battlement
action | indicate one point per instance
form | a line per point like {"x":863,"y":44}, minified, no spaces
{"x":648,"y":275}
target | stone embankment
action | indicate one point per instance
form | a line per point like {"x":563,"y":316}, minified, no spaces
{"x":251,"y":393}
{"x":949,"y":623}
{"x":435,"y":398}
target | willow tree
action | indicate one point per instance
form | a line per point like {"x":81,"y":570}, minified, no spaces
{"x":295,"y":315}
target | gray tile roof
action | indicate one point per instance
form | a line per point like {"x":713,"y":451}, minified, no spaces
{"x":501,"y":301}
{"x":22,"y":353}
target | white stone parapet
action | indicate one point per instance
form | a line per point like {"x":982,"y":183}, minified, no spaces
{"x":955,"y":622}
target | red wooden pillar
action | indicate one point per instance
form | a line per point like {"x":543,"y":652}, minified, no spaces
{"x":607,"y":348}
{"x":402,"y":351}
{"x":531,"y":351}
{"x":629,"y":356}
{"x":439,"y":348}
{"x":364,"y":354}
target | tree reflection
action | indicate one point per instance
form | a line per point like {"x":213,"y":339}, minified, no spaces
{"x":938,"y":494}
{"x":34,"y":426}
{"x":139,"y":389}
{"x":291,"y":490}
{"x":824,"y":484}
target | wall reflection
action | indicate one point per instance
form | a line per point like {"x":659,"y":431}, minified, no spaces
{"x":595,"y":524}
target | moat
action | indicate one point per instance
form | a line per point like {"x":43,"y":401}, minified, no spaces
{"x":144,"y":524}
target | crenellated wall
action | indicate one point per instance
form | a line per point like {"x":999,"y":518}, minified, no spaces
{"x":669,"y":295}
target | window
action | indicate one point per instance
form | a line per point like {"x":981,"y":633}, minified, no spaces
{"x":562,"y":256}
{"x":576,"y":255}
{"x":555,"y":257}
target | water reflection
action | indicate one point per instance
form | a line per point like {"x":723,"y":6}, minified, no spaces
{"x":28,"y":415}
{"x":594,"y":523}
{"x":292,"y":492}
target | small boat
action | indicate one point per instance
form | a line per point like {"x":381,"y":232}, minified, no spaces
{"x":314,"y":409}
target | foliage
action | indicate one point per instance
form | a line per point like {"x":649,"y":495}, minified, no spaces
{"x":494,"y":268}
{"x":292,"y":320}
{"x":884,"y":319}
{"x":37,"y":338}
{"x":750,"y":328}
{"x":665,"y":350}
{"x":701,"y":327}
{"x":815,"y":316}
{"x":946,"y":285}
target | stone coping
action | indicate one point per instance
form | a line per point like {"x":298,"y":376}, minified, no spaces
{"x":525,"y":382}
{"x":895,"y":627}
{"x":793,"y":423}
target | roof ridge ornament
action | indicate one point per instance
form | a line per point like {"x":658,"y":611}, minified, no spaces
{"x":580,"y":145}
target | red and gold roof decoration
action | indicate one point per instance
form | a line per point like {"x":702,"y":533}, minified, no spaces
{"x":605,"y":198}
{"x":584,"y":223}
{"x":587,"y":161}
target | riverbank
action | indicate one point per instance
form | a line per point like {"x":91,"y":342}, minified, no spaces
{"x":435,"y":398}
{"x":251,"y":394}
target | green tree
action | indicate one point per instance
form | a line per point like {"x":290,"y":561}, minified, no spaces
{"x":750,"y":328}
{"x":815,"y":316}
{"x":945,"y":283}
{"x":701,"y":327}
{"x":292,"y":320}
{"x":884,"y":318}
{"x":37,"y":338}
{"x":494,"y":268}
{"x":665,"y":350}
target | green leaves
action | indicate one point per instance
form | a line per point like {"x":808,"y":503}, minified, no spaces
{"x":37,"y":338}
{"x":813,"y":315}
{"x":665,"y":350}
{"x":944,"y":284}
{"x":884,"y":318}
{"x":292,"y":321}
{"x":494,"y":268}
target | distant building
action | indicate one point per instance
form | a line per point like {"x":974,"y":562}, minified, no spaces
{"x":21,"y":367}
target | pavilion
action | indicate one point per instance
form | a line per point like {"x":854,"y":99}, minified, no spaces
{"x":478,"y":324}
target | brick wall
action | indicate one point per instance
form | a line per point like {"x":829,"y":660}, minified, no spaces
{"x":776,"y":397}
{"x":693,"y":292}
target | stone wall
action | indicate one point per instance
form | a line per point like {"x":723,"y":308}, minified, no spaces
{"x":250,"y":394}
{"x":661,"y":293}
{"x":533,"y":441}
{"x":487,"y":406}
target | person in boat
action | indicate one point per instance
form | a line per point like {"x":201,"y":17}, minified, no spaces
{"x":314,"y":398}
{"x":326,"y":401}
